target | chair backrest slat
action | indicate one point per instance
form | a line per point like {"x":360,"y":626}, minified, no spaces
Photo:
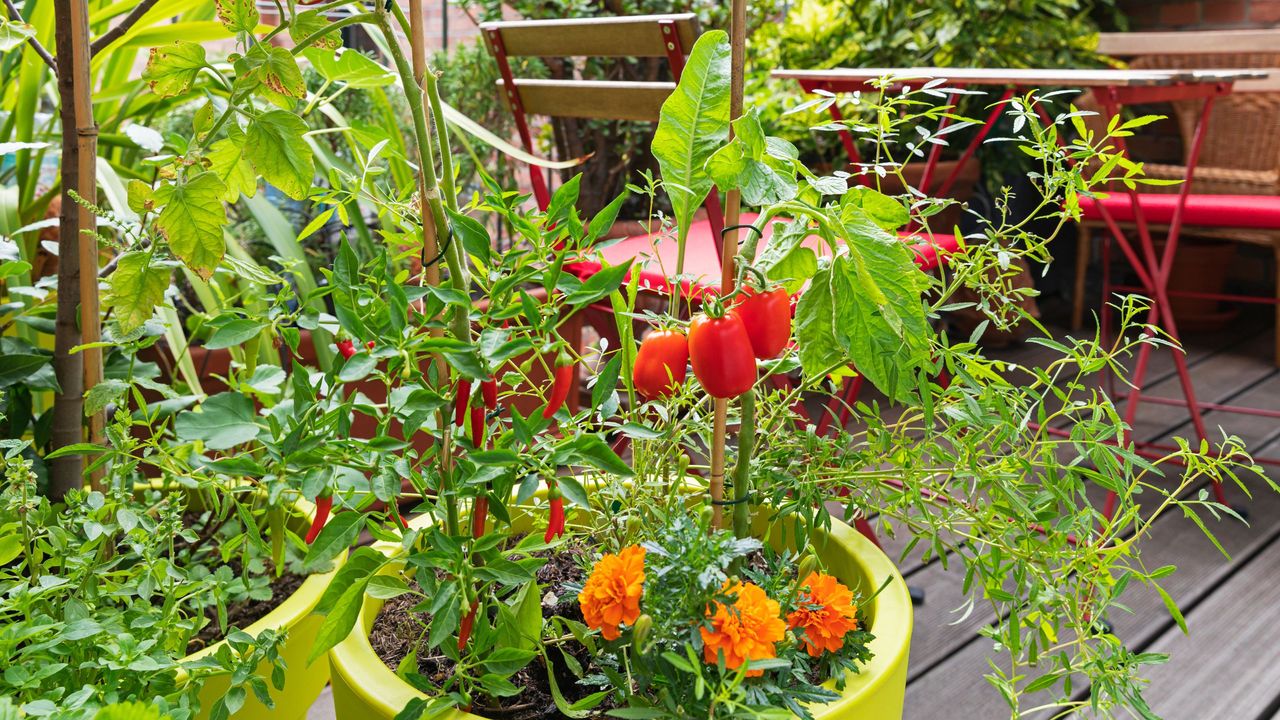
{"x":594,"y":37}
{"x":640,"y":101}
{"x":1201,"y":42}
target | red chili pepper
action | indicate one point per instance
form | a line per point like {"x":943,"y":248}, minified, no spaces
{"x":489,"y":390}
{"x":767,"y":317}
{"x":346,"y":348}
{"x":720,"y":351}
{"x":560,"y":386}
{"x":324,"y":503}
{"x":661,"y":364}
{"x":464,"y":630}
{"x":370,"y":344}
{"x":477,"y":426}
{"x":461,"y":401}
{"x":555,"y":522}
{"x":479,"y":515}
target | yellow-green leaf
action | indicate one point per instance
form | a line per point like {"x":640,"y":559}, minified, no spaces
{"x":192,"y":221}
{"x":280,"y":154}
{"x":237,"y":15}
{"x":137,"y":287}
{"x":227,"y":160}
{"x":173,"y":68}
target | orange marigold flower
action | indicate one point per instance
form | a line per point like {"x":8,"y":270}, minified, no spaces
{"x":747,"y":630}
{"x":611,"y":595}
{"x":826,"y":614}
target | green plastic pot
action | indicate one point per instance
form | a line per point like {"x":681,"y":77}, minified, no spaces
{"x":302,"y":683}
{"x":365,"y":689}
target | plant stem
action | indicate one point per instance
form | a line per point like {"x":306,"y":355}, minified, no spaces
{"x":742,"y":471}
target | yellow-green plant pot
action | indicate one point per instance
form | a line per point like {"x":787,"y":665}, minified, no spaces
{"x":365,"y":689}
{"x":302,"y":683}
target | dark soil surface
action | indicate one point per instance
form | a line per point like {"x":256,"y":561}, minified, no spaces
{"x":397,"y":630}
{"x":240,"y":614}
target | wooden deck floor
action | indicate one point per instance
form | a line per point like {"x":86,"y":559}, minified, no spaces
{"x":1228,"y":668}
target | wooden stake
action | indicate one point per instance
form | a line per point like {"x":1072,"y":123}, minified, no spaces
{"x":729,"y":250}
{"x":77,"y":314}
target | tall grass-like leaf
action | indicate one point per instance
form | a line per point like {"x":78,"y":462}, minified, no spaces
{"x":284,"y":240}
{"x":694,"y":123}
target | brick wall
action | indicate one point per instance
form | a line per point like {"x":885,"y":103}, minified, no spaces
{"x":460,"y":26}
{"x":1201,"y":14}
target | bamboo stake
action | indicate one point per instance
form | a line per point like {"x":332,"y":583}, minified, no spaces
{"x":77,"y":314}
{"x":87,"y":142}
{"x":729,"y":250}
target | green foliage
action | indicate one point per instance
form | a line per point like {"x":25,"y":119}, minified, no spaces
{"x":695,"y":122}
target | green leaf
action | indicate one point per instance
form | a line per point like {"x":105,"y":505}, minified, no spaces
{"x":222,"y":422}
{"x":1172,"y":607}
{"x":238,"y":15}
{"x":864,"y":307}
{"x":336,"y":536}
{"x":233,"y":333}
{"x":279,"y":152}
{"x":15,"y":367}
{"x":13,"y":34}
{"x":136,"y":288}
{"x":348,"y":66}
{"x":385,"y":587}
{"x":763,"y":168}
{"x":594,"y":451}
{"x":694,"y":122}
{"x":507,"y":660}
{"x":886,"y":212}
{"x":192,"y":221}
{"x":340,"y":619}
{"x":600,"y":284}
{"x":475,"y":238}
{"x":104,"y":393}
{"x":230,"y":162}
{"x":173,"y":68}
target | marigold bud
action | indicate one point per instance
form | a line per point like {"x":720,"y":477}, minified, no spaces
{"x":640,"y":632}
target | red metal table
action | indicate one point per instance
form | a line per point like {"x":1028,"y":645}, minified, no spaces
{"x":1113,"y":89}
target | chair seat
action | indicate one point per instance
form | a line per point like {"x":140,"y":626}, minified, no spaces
{"x":1223,"y":211}
{"x":655,"y":254}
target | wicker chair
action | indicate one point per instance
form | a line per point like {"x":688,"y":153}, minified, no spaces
{"x":1240,"y":155}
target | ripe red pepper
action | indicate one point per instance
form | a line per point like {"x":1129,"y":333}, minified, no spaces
{"x":767,"y":316}
{"x":560,"y":385}
{"x":661,"y":364}
{"x":346,"y":348}
{"x":489,"y":391}
{"x":477,"y":426}
{"x":324,"y":503}
{"x":464,"y":630}
{"x":461,"y":401}
{"x":370,"y":344}
{"x":555,"y":522}
{"x":479,"y":516}
{"x":720,"y":351}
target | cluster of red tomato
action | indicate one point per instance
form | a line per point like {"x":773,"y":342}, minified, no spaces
{"x":723,"y":345}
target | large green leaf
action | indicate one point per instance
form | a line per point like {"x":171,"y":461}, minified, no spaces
{"x":173,"y":68}
{"x":350,"y":67}
{"x":223,"y":421}
{"x":192,"y":221}
{"x":693,"y":124}
{"x":306,"y":24}
{"x":228,"y":160}
{"x":137,"y":287}
{"x":279,"y":152}
{"x":279,"y":72}
{"x":864,"y":307}
{"x":762,"y":168}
